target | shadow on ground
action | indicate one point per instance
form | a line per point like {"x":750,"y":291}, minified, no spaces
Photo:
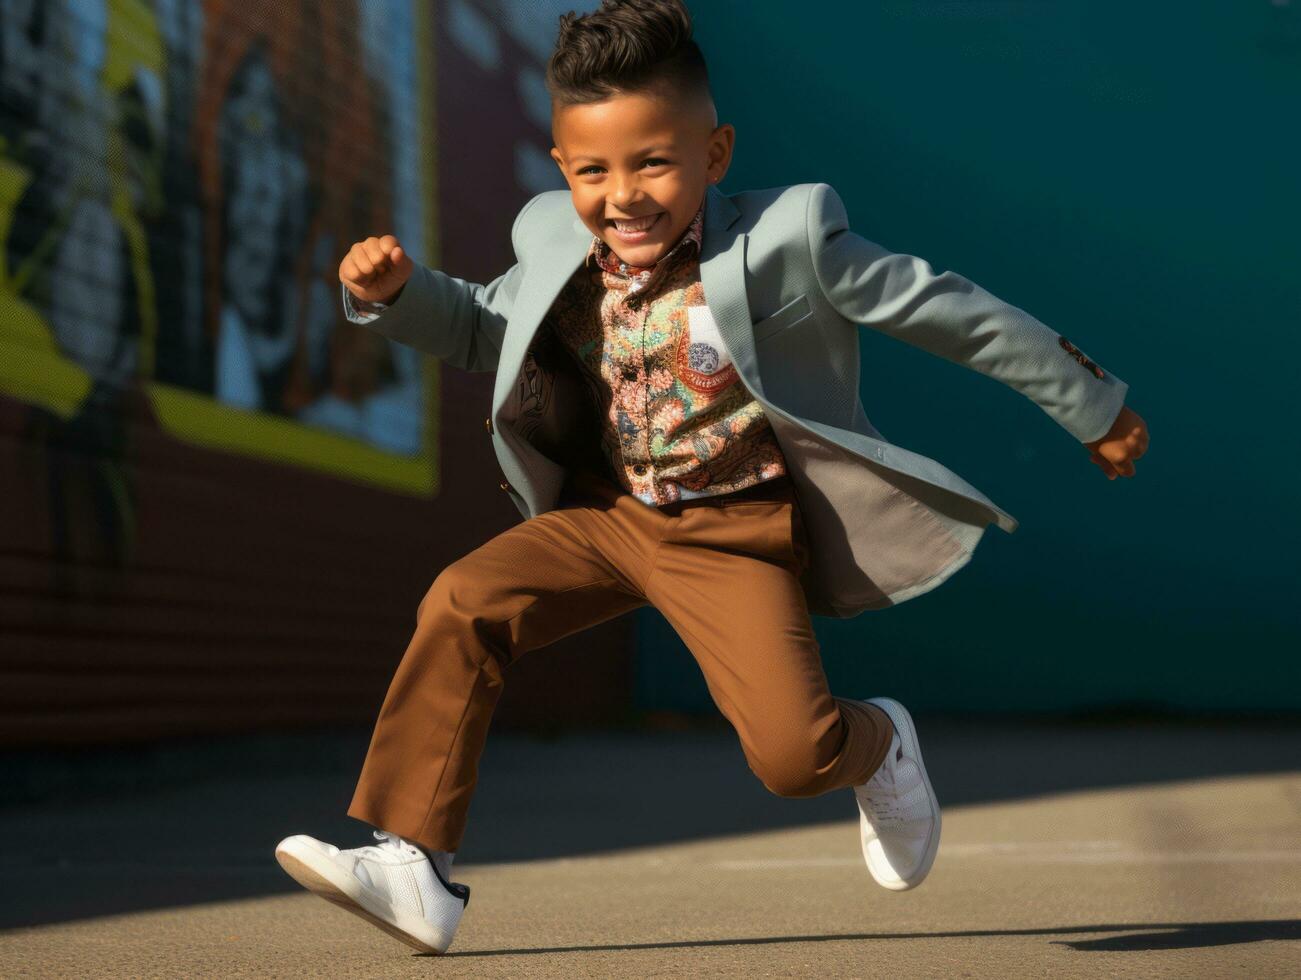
{"x":1140,"y":937}
{"x":112,"y":831}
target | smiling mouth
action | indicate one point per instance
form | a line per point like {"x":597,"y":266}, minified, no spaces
{"x":639,"y":223}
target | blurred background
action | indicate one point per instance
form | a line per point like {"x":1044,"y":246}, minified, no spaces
{"x":222,"y":502}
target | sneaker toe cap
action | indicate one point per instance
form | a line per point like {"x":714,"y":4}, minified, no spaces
{"x":301,"y":842}
{"x":894,"y":861}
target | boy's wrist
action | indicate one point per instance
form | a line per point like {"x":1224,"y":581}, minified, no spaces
{"x":390,"y":300}
{"x":370,"y":307}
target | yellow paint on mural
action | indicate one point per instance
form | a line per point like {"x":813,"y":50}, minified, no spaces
{"x":201,"y":421}
{"x":31,"y":367}
{"x":135,"y":46}
{"x":133,"y":41}
{"x":36,"y":375}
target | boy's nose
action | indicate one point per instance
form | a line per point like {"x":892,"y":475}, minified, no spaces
{"x":625,"y":195}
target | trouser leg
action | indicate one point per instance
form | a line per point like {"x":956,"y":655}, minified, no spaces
{"x":531,"y":585}
{"x":726,"y":577}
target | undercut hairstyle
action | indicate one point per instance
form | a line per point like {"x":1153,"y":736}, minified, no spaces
{"x":626,"y":47}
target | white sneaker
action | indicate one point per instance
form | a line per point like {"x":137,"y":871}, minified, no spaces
{"x":899,"y":816}
{"x":392,"y":885}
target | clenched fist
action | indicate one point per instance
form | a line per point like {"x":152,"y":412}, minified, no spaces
{"x":376,"y":269}
{"x":1125,"y":442}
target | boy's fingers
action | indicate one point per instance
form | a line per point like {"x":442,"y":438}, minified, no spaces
{"x":1138,"y":439}
{"x":1124,"y":458}
{"x":373,"y":260}
{"x":1103,"y":463}
{"x":378,"y":256}
{"x":1119,"y":454}
{"x":1120,"y":467}
{"x":365,"y":267}
{"x":348,"y":271}
{"x":402,"y":263}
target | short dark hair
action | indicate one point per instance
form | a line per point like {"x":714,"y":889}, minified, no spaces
{"x":627,"y":46}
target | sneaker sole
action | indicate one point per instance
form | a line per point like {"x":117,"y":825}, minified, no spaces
{"x":903,"y":724}
{"x":321,"y":876}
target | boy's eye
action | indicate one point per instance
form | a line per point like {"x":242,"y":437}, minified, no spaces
{"x":647,"y":160}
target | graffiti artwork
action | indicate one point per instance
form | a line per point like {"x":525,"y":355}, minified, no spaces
{"x":177,"y":183}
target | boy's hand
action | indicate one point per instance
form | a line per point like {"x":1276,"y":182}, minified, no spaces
{"x":1125,"y":442}
{"x":376,"y":269}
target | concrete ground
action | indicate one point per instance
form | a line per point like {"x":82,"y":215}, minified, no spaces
{"x":1115,"y":850}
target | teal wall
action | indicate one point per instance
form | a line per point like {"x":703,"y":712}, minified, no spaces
{"x":1130,"y":174}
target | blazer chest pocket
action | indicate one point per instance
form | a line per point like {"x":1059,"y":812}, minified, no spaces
{"x":783,"y":318}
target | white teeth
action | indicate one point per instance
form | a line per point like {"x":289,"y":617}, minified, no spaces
{"x":640,"y":224}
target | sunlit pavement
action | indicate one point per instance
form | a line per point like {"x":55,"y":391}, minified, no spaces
{"x":1178,"y":877}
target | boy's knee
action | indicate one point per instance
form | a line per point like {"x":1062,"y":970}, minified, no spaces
{"x":791,"y":776}
{"x":793,"y":785}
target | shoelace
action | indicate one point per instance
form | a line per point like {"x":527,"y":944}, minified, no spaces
{"x":388,"y":846}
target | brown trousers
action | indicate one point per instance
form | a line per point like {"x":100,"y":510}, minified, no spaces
{"x":722,"y":570}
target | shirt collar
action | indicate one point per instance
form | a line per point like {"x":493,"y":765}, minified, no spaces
{"x":601,"y":255}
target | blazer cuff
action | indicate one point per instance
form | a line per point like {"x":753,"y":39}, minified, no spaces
{"x":1093,"y":418}
{"x":360,"y":310}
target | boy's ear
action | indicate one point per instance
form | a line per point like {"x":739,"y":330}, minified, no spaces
{"x":555,"y":155}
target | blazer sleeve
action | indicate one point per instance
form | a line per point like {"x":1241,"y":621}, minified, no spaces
{"x":461,"y":323}
{"x":952,"y":317}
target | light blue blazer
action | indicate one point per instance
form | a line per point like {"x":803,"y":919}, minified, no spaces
{"x":788,"y":285}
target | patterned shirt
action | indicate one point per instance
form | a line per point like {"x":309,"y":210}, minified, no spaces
{"x":676,"y":420}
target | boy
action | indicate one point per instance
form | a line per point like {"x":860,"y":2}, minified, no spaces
{"x":667,"y":447}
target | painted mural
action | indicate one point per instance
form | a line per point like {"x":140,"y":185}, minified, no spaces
{"x":177,"y":183}
{"x":221,"y":502}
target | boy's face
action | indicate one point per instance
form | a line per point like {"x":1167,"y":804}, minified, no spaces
{"x":635,"y":156}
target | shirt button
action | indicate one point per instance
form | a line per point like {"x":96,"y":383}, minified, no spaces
{"x":487,"y":424}
{"x":639,"y":469}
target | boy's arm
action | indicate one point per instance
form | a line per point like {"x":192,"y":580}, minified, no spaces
{"x":953,"y":318}
{"x":461,"y":323}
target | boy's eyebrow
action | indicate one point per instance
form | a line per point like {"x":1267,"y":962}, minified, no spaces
{"x":650,"y":149}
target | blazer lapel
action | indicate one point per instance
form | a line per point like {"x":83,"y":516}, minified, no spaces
{"x":550,"y":270}
{"x":722,"y":275}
